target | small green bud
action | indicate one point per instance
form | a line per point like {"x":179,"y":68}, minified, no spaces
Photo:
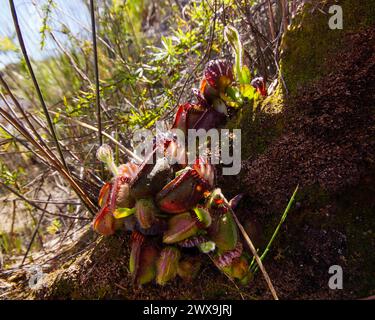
{"x":105,"y":155}
{"x":232,"y":36}
{"x":207,"y":247}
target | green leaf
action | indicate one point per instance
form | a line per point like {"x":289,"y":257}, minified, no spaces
{"x":245,"y":75}
{"x":123,"y":212}
{"x":233,"y":93}
{"x":247,"y":91}
{"x":7,"y":45}
{"x":283,"y":217}
{"x":54,"y":227}
{"x":56,"y":117}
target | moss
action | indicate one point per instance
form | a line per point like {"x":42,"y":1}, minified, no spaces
{"x":260,"y":123}
{"x":103,"y":291}
{"x":305,"y":49}
{"x":63,"y":286}
{"x":310,"y":39}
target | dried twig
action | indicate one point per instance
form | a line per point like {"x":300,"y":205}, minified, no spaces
{"x":88,"y":126}
{"x":19,"y":107}
{"x":52,"y":161}
{"x":96,"y":68}
{"x":271,"y":20}
{"x":37,"y":207}
{"x":259,"y":262}
{"x":34,"y":233}
{"x":254,"y":252}
{"x":35,"y":82}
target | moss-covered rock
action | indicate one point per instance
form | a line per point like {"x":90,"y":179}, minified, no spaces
{"x":310,"y":41}
{"x":326,"y":146}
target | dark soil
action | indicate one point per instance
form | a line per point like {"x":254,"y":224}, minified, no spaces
{"x":329,"y":131}
{"x":328,"y":148}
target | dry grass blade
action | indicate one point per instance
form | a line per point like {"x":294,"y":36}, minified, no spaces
{"x":50,"y":160}
{"x":254,"y":252}
{"x":35,"y":232}
{"x":24,"y":144}
{"x":35,"y":82}
{"x":20,"y":109}
{"x":96,"y":68}
{"x":257,"y":258}
{"x":88,"y":126}
{"x":38,"y":207}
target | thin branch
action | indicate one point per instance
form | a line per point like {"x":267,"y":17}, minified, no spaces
{"x":271,"y":20}
{"x":36,"y":85}
{"x":254,"y":252}
{"x":96,"y":68}
{"x":20,"y":109}
{"x":38,"y":207}
{"x":88,"y":126}
{"x":23,"y":143}
{"x":63,"y":50}
{"x":105,"y":43}
{"x":67,"y":150}
{"x":53,"y":161}
{"x":34,"y":233}
{"x":67,"y":202}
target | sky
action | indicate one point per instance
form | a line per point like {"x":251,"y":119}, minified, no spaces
{"x":72,"y":13}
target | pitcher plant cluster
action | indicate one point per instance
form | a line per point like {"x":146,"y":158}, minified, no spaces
{"x":170,"y":203}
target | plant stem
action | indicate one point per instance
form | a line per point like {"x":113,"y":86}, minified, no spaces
{"x":283,"y":217}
